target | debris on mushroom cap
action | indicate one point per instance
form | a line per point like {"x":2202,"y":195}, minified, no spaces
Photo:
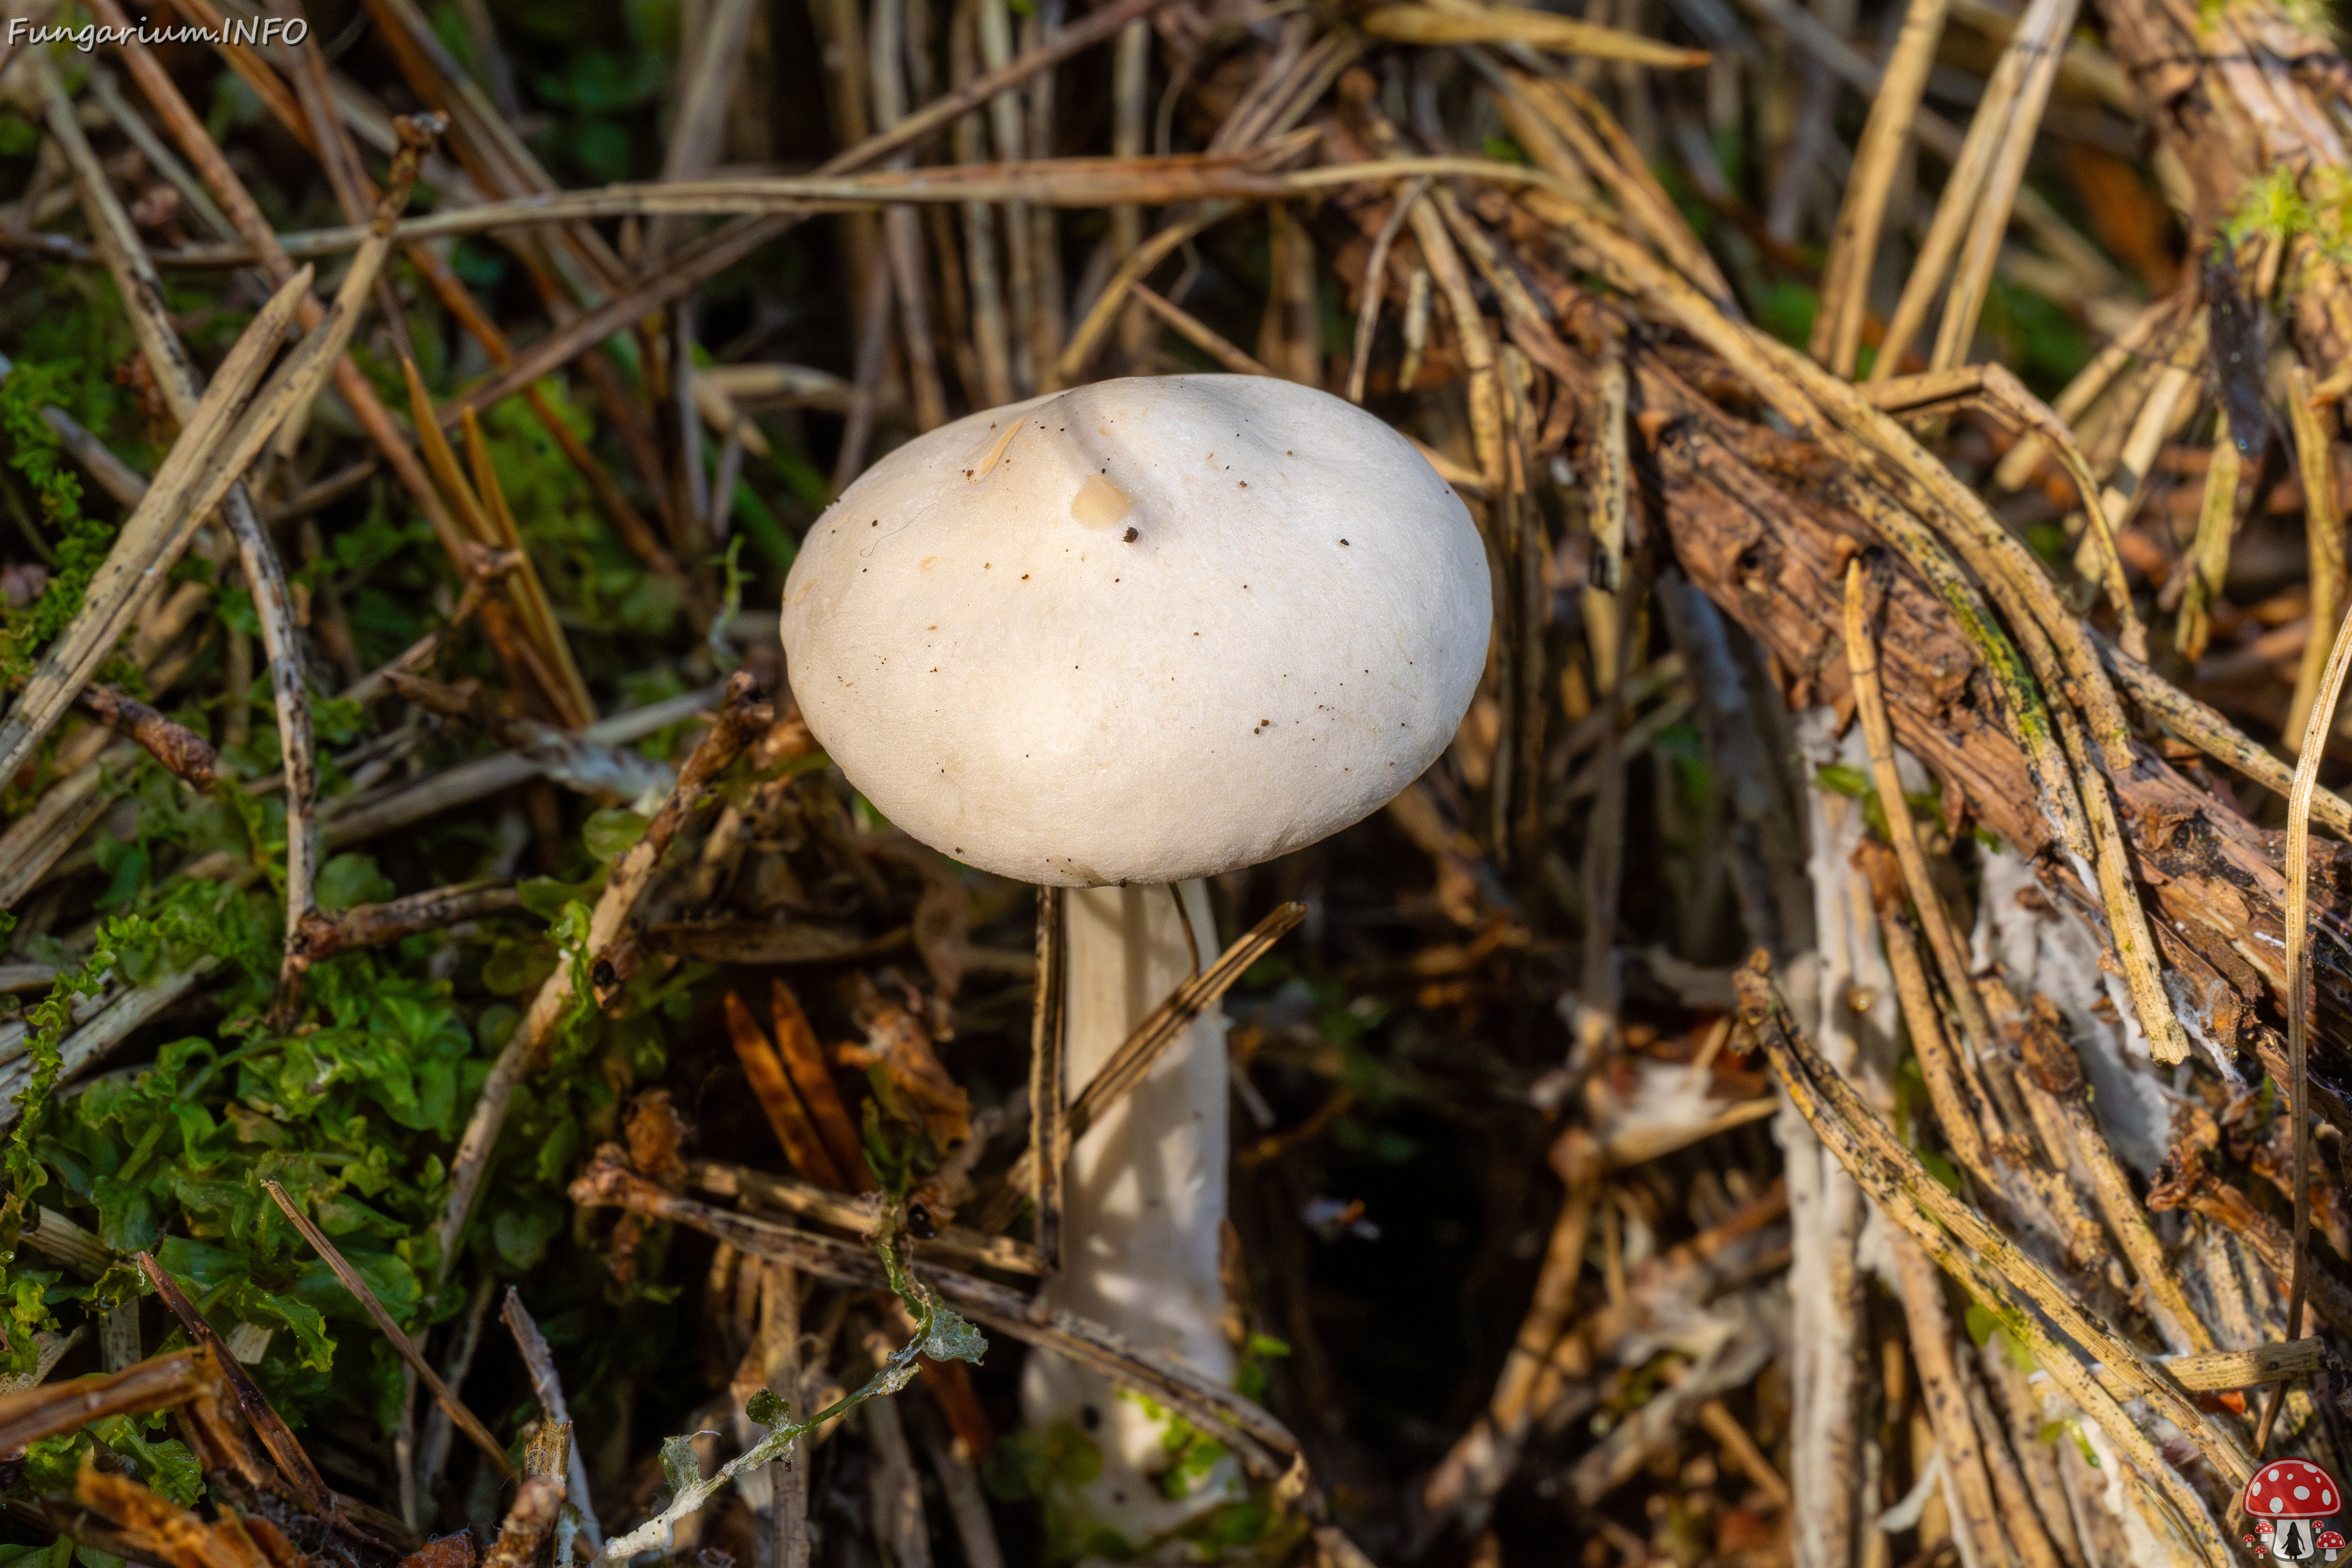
{"x":2290,"y":1489}
{"x":1062,"y":641}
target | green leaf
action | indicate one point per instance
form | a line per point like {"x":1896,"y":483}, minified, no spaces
{"x":545,"y":897}
{"x":767,"y":1407}
{"x":952,"y":1338}
{"x":166,"y":1467}
{"x":611,"y":832}
{"x":1982,"y":1324}
{"x":349,"y":879}
{"x":679,"y":1465}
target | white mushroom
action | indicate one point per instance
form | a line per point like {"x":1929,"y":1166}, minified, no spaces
{"x":1138,"y":634}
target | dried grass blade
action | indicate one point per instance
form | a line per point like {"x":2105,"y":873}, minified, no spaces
{"x":2208,"y":564}
{"x":2014,"y":100}
{"x":1963,"y":1110}
{"x":1943,"y":1393}
{"x":1105,"y":311}
{"x":1996,"y":389}
{"x":1368,"y":313}
{"x":1992,"y":1268}
{"x":150,"y":540}
{"x":804,"y":1059}
{"x":576,"y":707}
{"x":176,"y":375}
{"x":1410,"y":24}
{"x":1954,"y":208}
{"x":1645,"y":208}
{"x":2323,"y":529}
{"x":711,"y":255}
{"x":1197,"y":333}
{"x":794,"y":1131}
{"x":351,"y":1281}
{"x":1255,"y":1436}
{"x":1853,"y":245}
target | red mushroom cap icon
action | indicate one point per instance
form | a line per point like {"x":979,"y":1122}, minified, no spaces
{"x":2329,"y":1541}
{"x":2292,"y":1488}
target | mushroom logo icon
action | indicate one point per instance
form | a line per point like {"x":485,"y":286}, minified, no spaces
{"x":2290,"y":1502}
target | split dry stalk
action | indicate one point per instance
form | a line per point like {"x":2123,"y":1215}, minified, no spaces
{"x":1962,"y":1109}
{"x":2011,"y":1285}
{"x":539,"y":1361}
{"x":1946,"y":1397}
{"x":1870,"y":707}
{"x":2319,"y":721}
{"x":2208,"y":566}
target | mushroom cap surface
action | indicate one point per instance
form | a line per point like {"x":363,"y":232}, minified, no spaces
{"x":1139,"y":631}
{"x":2292,"y":1488}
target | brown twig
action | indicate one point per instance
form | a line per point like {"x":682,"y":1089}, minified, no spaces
{"x":1255,"y":1438}
{"x":549,"y":1388}
{"x":1048,"y":1021}
{"x":169,"y":742}
{"x":293,"y":1464}
{"x":324,"y":934}
{"x":1136,"y":1056}
{"x":744,"y":715}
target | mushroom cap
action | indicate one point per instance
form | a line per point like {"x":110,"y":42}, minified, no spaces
{"x":1139,"y":631}
{"x":2292,"y":1488}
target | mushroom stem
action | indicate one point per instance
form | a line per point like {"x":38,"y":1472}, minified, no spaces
{"x":1144,"y":1206}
